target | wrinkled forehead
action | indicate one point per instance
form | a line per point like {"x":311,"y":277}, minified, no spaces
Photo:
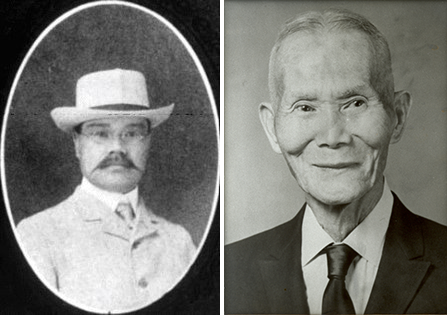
{"x":338,"y":50}
{"x":116,"y":123}
{"x":337,"y":45}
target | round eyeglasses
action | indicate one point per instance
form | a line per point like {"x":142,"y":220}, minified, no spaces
{"x":106,"y":136}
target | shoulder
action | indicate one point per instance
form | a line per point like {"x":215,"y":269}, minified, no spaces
{"x":432,"y":234}
{"x":435,"y":239}
{"x":254,"y":246}
{"x":41,"y":233}
{"x":432,"y":229}
{"x":424,"y":241}
{"x":429,"y":228}
{"x":244,"y":261}
{"x":167,"y":226}
{"x":259,"y":246}
{"x":48,"y":219}
{"x":173,"y":234}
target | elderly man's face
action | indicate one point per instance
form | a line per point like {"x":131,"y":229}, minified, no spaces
{"x":114,"y":164}
{"x":330,"y":125}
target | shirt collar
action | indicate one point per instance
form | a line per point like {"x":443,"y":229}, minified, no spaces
{"x":111,"y":199}
{"x":366,"y":239}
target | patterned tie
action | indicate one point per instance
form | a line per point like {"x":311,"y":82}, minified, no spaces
{"x":125,"y":212}
{"x":336,"y":299}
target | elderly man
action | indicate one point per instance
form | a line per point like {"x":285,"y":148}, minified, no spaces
{"x":102,"y":248}
{"x":353,"y":248}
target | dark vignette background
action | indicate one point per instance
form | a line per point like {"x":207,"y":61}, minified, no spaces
{"x":181,"y":171}
{"x":180,"y":180}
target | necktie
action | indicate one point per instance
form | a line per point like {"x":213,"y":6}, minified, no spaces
{"x":125,"y":212}
{"x":336,"y":299}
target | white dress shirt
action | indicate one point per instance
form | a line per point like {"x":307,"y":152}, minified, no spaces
{"x":366,"y":239}
{"x":111,"y":199}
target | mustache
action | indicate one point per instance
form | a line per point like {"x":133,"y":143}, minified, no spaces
{"x":119,"y":159}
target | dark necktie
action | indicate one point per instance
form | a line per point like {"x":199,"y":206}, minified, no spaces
{"x":125,"y":212}
{"x":336,"y":299}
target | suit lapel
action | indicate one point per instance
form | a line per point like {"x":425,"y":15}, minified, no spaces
{"x":281,"y":270}
{"x":400,"y":273}
{"x":148,"y":224}
{"x":94,"y":211}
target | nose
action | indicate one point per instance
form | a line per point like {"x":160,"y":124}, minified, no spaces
{"x":332,"y":132}
{"x":116,"y":144}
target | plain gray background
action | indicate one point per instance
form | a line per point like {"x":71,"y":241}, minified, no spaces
{"x":40,"y":164}
{"x":260,"y":192}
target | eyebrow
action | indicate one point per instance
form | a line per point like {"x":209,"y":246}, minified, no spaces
{"x":356,"y":90}
{"x":352,"y":92}
{"x":305,"y":97}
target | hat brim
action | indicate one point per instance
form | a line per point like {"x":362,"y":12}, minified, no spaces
{"x":66,"y":118}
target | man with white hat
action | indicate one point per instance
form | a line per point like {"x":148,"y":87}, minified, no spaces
{"x":101,"y":248}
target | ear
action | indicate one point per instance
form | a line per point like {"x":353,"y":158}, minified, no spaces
{"x":76,"y":140}
{"x":267,"y":116}
{"x":402,"y":104}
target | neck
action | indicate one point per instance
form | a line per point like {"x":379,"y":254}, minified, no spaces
{"x":340,"y":220}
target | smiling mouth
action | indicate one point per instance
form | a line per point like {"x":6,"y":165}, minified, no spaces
{"x":336,"y":166}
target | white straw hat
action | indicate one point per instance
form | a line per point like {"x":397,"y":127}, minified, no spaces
{"x":110,"y":93}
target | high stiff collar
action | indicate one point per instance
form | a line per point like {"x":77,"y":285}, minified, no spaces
{"x":111,"y":199}
{"x":93,"y":211}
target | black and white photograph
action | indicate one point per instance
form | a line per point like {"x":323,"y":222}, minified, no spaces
{"x":335,"y":146}
{"x":110,"y":163}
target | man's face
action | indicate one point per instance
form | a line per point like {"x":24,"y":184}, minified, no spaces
{"x":330,"y":124}
{"x":115,"y":164}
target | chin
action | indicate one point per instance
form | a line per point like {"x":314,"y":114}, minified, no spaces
{"x":117,"y":183}
{"x":337,"y":194}
{"x":334,"y":200}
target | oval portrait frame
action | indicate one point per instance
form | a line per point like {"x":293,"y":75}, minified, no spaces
{"x":182,"y":177}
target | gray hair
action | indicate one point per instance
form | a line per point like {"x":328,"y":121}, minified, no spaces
{"x":381,"y":75}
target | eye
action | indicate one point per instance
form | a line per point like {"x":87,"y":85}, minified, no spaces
{"x":304,"y":108}
{"x":103,"y":134}
{"x":130,"y":134}
{"x":357,"y":104}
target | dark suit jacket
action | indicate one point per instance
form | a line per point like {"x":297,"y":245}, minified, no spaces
{"x":263,"y":273}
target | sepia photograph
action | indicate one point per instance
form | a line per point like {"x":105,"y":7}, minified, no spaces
{"x":109,"y":160}
{"x":335,"y":157}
